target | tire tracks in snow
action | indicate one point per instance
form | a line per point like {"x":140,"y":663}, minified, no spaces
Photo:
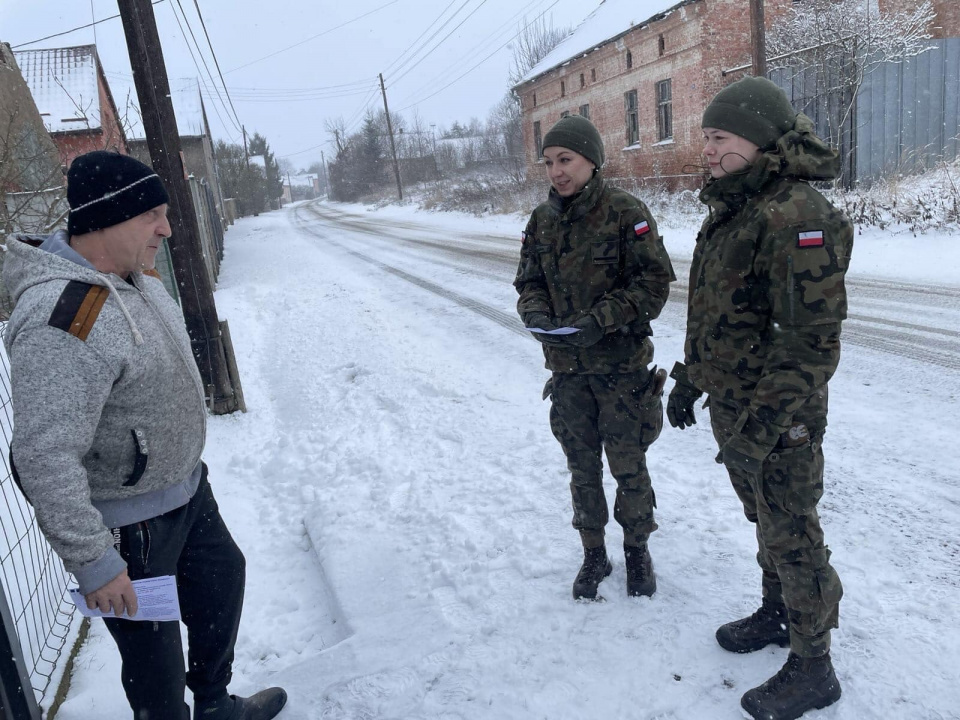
{"x":929,"y":344}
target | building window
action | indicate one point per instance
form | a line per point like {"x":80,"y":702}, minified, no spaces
{"x":565,"y":113}
{"x":563,"y":89}
{"x":664,"y":110}
{"x":534,"y":99}
{"x":585,"y":111}
{"x":538,"y":139}
{"x":661,"y":45}
{"x":583,"y":80}
{"x":593,"y":74}
{"x":629,"y":59}
{"x":633,"y":125}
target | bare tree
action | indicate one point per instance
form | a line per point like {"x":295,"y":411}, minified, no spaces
{"x":534,"y":41}
{"x":841,"y":42}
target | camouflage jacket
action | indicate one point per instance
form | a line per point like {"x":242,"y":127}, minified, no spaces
{"x":766,"y":293}
{"x":601,"y":255}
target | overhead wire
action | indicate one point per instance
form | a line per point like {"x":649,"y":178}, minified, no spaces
{"x":436,"y":32}
{"x":213,"y":54}
{"x":410,"y":47}
{"x":313,"y":37}
{"x":72,"y":30}
{"x":235,"y":119}
{"x":186,"y":42}
{"x":480,"y":47}
{"x":460,"y":77}
{"x":435,"y":47}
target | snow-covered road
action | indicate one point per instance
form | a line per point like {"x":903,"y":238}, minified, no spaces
{"x":405,"y":511}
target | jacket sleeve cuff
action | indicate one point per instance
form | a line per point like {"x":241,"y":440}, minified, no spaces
{"x":95,"y":575}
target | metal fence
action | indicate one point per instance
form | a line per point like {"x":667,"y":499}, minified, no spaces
{"x":906,"y":116}
{"x":36,"y":612}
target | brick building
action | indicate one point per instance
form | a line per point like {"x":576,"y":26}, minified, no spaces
{"x":74,"y":99}
{"x":643,"y":71}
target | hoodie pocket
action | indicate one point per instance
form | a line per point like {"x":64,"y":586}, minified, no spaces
{"x":140,"y":458}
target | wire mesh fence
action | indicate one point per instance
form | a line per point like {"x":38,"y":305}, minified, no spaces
{"x":34,"y":579}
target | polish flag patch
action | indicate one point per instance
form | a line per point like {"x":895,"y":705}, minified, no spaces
{"x":813,"y":238}
{"x":523,"y":237}
{"x":641,"y":228}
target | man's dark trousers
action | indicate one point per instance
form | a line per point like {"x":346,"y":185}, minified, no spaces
{"x":193,"y":543}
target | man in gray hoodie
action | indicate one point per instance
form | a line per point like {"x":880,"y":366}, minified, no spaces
{"x":110,"y":422}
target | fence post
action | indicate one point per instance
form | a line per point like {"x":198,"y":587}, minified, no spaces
{"x":17,"y":701}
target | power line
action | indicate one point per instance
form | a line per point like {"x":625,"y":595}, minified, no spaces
{"x":186,"y":42}
{"x":314,"y":37}
{"x":482,"y":46}
{"x":435,"y":33}
{"x":71,"y":30}
{"x":238,"y":124}
{"x":460,"y":77}
{"x":436,"y":20}
{"x":214,"y":55}
{"x":434,"y":48}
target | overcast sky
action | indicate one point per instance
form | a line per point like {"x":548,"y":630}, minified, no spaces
{"x":357,"y":40}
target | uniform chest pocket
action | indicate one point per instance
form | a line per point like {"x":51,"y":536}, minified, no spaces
{"x":605,"y":252}
{"x":737,"y":253}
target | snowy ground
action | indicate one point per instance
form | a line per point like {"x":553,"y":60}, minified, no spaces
{"x":405,"y":511}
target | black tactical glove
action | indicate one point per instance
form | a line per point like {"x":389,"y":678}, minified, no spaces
{"x":590,"y":332}
{"x":680,"y":405}
{"x":544,"y":322}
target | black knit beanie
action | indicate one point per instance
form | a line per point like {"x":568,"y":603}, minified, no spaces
{"x":753,"y":108}
{"x":576,"y":133}
{"x":107,"y":188}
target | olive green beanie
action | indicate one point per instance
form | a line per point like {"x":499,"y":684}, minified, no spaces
{"x":576,"y":133}
{"x":753,"y":108}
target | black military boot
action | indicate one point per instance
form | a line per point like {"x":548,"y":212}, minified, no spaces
{"x":801,"y":684}
{"x":595,"y":568}
{"x":641,"y":581}
{"x":766,"y":626}
{"x":264,"y":705}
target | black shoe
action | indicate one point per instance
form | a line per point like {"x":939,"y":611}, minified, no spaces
{"x":801,"y":684}
{"x":767,"y":626}
{"x":595,"y":568}
{"x":641,"y":581}
{"x":263,"y":705}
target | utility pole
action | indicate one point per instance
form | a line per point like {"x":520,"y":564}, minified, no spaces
{"x":758,"y":41}
{"x":393,"y":147}
{"x":326,"y":180}
{"x":246,"y":157}
{"x":213,"y":355}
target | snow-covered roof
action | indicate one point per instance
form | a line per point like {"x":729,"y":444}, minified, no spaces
{"x":609,"y":21}
{"x":63,"y":82}
{"x":187,"y":108}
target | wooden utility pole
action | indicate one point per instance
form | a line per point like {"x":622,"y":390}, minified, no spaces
{"x":196,"y":291}
{"x":326,"y":180}
{"x":758,"y":39}
{"x":393,"y":147}
{"x":246,"y":157}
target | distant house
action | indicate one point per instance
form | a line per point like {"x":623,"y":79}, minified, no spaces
{"x":74,"y":99}
{"x":644,"y":70}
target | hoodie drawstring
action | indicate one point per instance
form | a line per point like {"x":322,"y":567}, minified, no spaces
{"x":137,"y":337}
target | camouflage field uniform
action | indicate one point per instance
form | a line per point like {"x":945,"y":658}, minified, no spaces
{"x":601,"y":256}
{"x":763,"y":339}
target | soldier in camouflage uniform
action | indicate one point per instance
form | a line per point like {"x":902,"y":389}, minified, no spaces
{"x":766,"y":301}
{"x":592,"y":260}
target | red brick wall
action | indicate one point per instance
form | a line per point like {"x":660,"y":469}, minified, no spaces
{"x":701,"y":40}
{"x":947,"y":21}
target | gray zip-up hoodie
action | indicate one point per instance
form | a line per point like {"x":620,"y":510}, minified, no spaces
{"x":109,"y":413}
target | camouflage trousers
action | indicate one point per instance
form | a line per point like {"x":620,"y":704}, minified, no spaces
{"x":782,"y":502}
{"x":622,"y":414}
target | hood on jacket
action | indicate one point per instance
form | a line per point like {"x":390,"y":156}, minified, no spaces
{"x":34,"y":259}
{"x":799,"y":154}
